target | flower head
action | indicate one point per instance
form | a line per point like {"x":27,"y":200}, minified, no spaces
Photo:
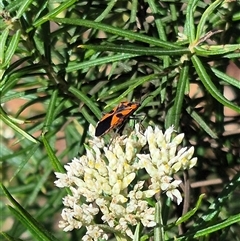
{"x":105,"y":181}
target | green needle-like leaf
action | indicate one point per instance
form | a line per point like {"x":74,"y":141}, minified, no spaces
{"x":211,"y":88}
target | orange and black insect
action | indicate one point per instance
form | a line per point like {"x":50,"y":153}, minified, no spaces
{"x":116,"y":117}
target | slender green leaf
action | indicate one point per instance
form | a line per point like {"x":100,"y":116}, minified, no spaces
{"x":57,"y":166}
{"x":30,"y":150}
{"x":87,"y":116}
{"x":117,"y":31}
{"x":207,"y":50}
{"x":7,"y":237}
{"x":232,"y":56}
{"x":99,"y":61}
{"x":139,"y":81}
{"x":119,"y":87}
{"x":190,"y":23}
{"x":230,"y":80}
{"x":109,"y":7}
{"x":39,"y":185}
{"x":189,"y":214}
{"x":38,"y":231}
{"x":23,"y":8}
{"x":235,"y":219}
{"x":50,"y":111}
{"x":8,"y":121}
{"x":158,"y":229}
{"x":53,"y":13}
{"x":30,"y":103}
{"x":134,"y":10}
{"x":213,"y":210}
{"x":137,"y":236}
{"x":13,"y":78}
{"x":134,"y":49}
{"x":202,"y":123}
{"x":15,"y":65}
{"x":159,"y":25}
{"x":202,"y":23}
{"x":173,"y":117}
{"x":222,"y":199}
{"x":11,"y":49}
{"x":87,"y":101}
{"x":211,"y":88}
{"x":3,"y":40}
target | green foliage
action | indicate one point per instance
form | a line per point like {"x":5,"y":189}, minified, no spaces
{"x":63,"y":62}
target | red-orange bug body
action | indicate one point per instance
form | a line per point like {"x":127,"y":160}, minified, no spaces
{"x":116,"y":117}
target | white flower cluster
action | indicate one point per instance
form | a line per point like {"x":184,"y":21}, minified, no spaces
{"x":105,"y":182}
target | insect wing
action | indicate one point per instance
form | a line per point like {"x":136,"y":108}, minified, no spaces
{"x":103,"y":126}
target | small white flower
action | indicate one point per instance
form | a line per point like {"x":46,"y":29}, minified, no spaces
{"x":62,"y":180}
{"x":94,"y":233}
{"x":174,"y":193}
{"x":107,"y":179}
